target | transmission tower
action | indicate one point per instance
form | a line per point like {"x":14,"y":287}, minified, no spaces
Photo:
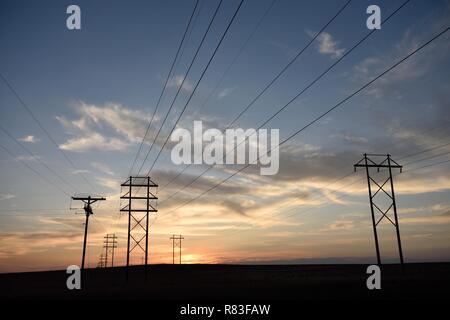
{"x":176,"y":242}
{"x":139,"y":206}
{"x":88,"y":201}
{"x":109,"y":244}
{"x":380,"y":161}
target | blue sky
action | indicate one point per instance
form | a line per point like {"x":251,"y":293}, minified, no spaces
{"x":95,"y":89}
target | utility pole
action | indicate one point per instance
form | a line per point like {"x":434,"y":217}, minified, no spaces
{"x":176,"y":242}
{"x":102,"y":261}
{"x":380,"y":161}
{"x":88,"y":201}
{"x":138,"y":213}
{"x":109,"y":244}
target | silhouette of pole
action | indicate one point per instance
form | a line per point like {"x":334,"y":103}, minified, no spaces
{"x":394,"y":204}
{"x":87,"y":211}
{"x":88,"y":201}
{"x":377,"y":246}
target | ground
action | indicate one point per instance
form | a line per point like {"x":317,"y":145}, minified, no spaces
{"x":256,"y":283}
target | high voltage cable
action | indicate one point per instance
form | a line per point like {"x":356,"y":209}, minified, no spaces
{"x":289,"y":64}
{"x":429,"y":165}
{"x":278,"y":75}
{"x":241,"y":50}
{"x":337,"y":197}
{"x":236,"y":57}
{"x":41,"y":126}
{"x":428,"y":158}
{"x":197,"y":84}
{"x":164,"y":87}
{"x":351,"y":173}
{"x":315,"y":120}
{"x":34,"y":170}
{"x":426,"y":150}
{"x":181,"y":84}
{"x":21,"y":145}
{"x":295,"y":97}
{"x":327,"y":186}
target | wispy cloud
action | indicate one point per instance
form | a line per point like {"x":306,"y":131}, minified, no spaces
{"x":327,"y":45}
{"x":94,"y":141}
{"x":110,"y":127}
{"x":225,"y":92}
{"x":408,"y":71}
{"x":29,"y":139}
{"x":6,"y":196}
{"x":177,"y":80}
{"x":28,"y":158}
{"x":102,"y":167}
{"x":348,"y":137}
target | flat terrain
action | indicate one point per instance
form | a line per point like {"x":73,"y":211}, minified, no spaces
{"x":235,"y":282}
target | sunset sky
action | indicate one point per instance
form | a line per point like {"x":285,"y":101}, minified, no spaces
{"x":94,"y":91}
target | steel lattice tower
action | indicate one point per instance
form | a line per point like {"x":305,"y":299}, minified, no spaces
{"x":380,"y":161}
{"x":139,"y":206}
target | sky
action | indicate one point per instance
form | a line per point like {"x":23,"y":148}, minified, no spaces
{"x":94,"y":91}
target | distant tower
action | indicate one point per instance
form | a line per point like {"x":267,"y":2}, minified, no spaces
{"x":176,"y":242}
{"x":110,"y":244}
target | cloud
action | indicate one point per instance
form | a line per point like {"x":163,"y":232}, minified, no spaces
{"x":177,"y":80}
{"x":225,"y":92}
{"x":102,"y":168}
{"x":29,"y":139}
{"x":348,"y":137}
{"x":327,"y":45}
{"x":110,"y":127}
{"x":341,"y":225}
{"x":28,"y":158}
{"x":109,"y":183}
{"x":94,"y":141}
{"x":6,"y":196}
{"x":80,"y":171}
{"x":414,"y":68}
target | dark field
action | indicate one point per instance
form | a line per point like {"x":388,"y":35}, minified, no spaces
{"x":236,"y":282}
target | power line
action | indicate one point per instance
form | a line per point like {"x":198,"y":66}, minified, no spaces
{"x":294,"y":98}
{"x":289,"y":64}
{"x":196,"y":85}
{"x":271,"y":215}
{"x":41,"y":126}
{"x":6,"y":132}
{"x":236,"y":57}
{"x":429,"y":165}
{"x":426,"y":150}
{"x":181,"y":85}
{"x":315,"y":120}
{"x":241,"y":50}
{"x":428,"y":158}
{"x":35,"y":171}
{"x":279,"y":74}
{"x":342,"y":187}
{"x":164,"y":87}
